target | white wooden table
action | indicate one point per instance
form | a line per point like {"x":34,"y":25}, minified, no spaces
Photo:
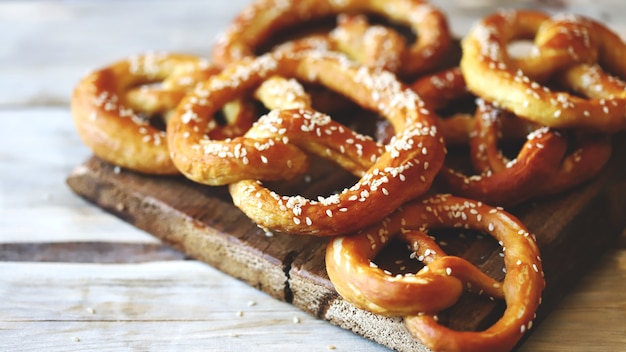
{"x":165,"y":302}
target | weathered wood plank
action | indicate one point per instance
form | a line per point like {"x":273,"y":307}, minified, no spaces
{"x":150,"y":306}
{"x":202,"y":222}
{"x":87,"y":252}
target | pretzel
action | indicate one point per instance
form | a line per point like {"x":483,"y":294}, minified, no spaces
{"x":355,"y":153}
{"x":544,"y":166}
{"x":419,"y":297}
{"x":583,"y":162}
{"x":562,"y":42}
{"x":264,"y":18}
{"x":113,"y":108}
{"x":413,"y":156}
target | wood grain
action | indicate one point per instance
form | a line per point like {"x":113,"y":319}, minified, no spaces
{"x":87,"y":252}
{"x":203,"y":223}
{"x":152,"y":306}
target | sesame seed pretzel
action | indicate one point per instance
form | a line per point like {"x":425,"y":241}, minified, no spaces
{"x":419,"y":297}
{"x":264,"y":18}
{"x":544,"y":165}
{"x":562,"y":43}
{"x":577,"y":165}
{"x":113,"y":108}
{"x":413,"y":156}
{"x":444,"y":88}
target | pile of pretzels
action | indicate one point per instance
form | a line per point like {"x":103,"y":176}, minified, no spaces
{"x":251,"y":114}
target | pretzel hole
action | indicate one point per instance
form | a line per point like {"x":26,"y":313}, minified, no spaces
{"x":233,"y":110}
{"x":521,"y":48}
{"x":151,"y":102}
{"x":155,"y":120}
{"x":323,"y":179}
{"x":480,"y":249}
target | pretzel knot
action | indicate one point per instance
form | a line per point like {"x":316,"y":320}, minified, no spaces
{"x":566,"y":46}
{"x":418,"y":297}
{"x":265,"y":18}
{"x":116,"y":108}
{"x":276,"y":148}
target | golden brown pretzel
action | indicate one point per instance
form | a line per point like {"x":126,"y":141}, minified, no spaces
{"x":263,"y":18}
{"x":419,"y":297}
{"x":113,"y":106}
{"x":413,"y":156}
{"x":584,"y":161}
{"x":543,"y":167}
{"x":562,"y":43}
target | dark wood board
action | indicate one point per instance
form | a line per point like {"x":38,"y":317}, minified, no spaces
{"x":200,"y":221}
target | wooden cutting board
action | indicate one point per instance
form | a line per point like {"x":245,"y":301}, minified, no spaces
{"x":201,"y":221}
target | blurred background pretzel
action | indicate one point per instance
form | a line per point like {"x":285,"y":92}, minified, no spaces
{"x":120,"y":110}
{"x":254,"y":26}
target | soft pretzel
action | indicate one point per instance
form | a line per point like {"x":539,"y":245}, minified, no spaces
{"x":413,"y":156}
{"x":562,"y":43}
{"x":420,"y":296}
{"x":544,"y":166}
{"x":580,"y":163}
{"x":264,"y":18}
{"x":112,"y":108}
{"x":319,"y":134}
